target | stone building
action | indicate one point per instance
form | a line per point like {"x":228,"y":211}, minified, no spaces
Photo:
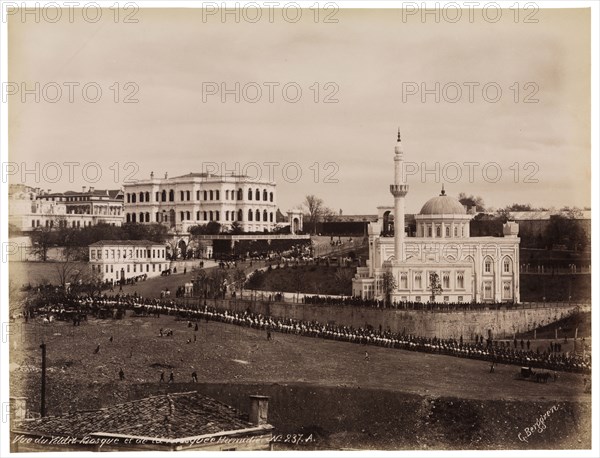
{"x":199,"y":198}
{"x":440,"y":261}
{"x":113,"y":260}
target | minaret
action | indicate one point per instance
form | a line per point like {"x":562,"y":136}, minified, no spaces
{"x":399,"y":191}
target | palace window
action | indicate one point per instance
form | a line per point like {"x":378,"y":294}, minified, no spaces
{"x":217,"y":216}
{"x":257,"y":215}
{"x":487,"y":290}
{"x":171,"y":196}
{"x":418,"y":284}
{"x":265,"y":195}
{"x":429,"y":232}
{"x":446,"y":280}
{"x":217,"y":195}
{"x":460,"y":280}
{"x":271,"y":196}
{"x":164,"y":196}
{"x":506,"y":265}
{"x":403,"y":281}
{"x":249,"y":194}
{"x":141,"y":196}
{"x":271,"y":217}
{"x":488,"y":266}
{"x":506,"y":290}
{"x":438,"y":231}
{"x":447,"y":231}
{"x":197,"y":195}
{"x":249,"y":215}
{"x":455,"y":231}
{"x":257,"y":194}
{"x":240,"y":194}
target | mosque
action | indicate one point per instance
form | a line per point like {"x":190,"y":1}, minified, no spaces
{"x":440,"y":261}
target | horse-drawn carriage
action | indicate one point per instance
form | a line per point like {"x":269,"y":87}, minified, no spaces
{"x":527,"y":373}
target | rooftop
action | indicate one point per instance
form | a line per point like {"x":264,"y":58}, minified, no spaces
{"x":125,"y":243}
{"x":166,"y":416}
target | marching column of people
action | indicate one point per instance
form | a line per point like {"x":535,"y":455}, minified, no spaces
{"x":496,"y":351}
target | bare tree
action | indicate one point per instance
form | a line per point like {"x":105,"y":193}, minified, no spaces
{"x":42,"y":239}
{"x":314,"y":207}
{"x":238,"y":278}
{"x":71,"y":267}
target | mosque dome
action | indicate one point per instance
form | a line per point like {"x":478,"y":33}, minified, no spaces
{"x":443,"y":205}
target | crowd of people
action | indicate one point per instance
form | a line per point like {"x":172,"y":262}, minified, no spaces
{"x":406,"y":305}
{"x":495,"y":351}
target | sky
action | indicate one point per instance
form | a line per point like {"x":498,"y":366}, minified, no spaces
{"x":361,"y":78}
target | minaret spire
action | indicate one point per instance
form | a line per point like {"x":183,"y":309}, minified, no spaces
{"x":399,"y":138}
{"x":443,"y":193}
{"x":399,"y":190}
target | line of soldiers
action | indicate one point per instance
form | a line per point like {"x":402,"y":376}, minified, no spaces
{"x":490,"y":350}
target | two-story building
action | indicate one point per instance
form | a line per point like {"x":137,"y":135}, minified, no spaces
{"x":113,"y":260}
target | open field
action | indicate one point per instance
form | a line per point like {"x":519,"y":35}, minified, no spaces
{"x":390,"y":396}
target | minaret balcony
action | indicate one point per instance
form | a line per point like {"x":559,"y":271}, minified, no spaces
{"x":399,"y":190}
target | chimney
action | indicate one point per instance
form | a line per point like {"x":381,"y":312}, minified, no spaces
{"x":166,"y":175}
{"x":83,"y":189}
{"x":92,"y":189}
{"x":18,"y":409}
{"x":152,"y":175}
{"x":259,"y":409}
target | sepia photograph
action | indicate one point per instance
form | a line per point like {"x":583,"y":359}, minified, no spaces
{"x":299,"y":227}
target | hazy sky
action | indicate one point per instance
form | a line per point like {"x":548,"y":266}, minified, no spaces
{"x":374,"y":60}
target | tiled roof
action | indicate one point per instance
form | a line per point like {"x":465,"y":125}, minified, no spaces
{"x":167,"y":416}
{"x":125,"y":243}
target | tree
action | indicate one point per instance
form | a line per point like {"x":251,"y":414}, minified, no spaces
{"x":238,"y":278}
{"x":71,"y":269}
{"x":472,"y":201}
{"x":42,"y":239}
{"x":314,"y":207}
{"x":565,"y":230}
{"x":434,"y":285}
{"x":236,"y":228}
{"x":212,"y":228}
{"x":388,"y":284}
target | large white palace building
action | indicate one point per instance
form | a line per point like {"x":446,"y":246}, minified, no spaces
{"x":199,"y":198}
{"x":468,"y":269}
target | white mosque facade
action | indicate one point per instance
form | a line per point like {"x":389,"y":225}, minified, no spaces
{"x":464,"y":269}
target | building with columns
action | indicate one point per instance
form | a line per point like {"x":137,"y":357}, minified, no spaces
{"x":440,"y":251}
{"x":31,"y":208}
{"x":199,"y":198}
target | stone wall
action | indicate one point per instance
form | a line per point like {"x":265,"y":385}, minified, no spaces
{"x":501,"y":323}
